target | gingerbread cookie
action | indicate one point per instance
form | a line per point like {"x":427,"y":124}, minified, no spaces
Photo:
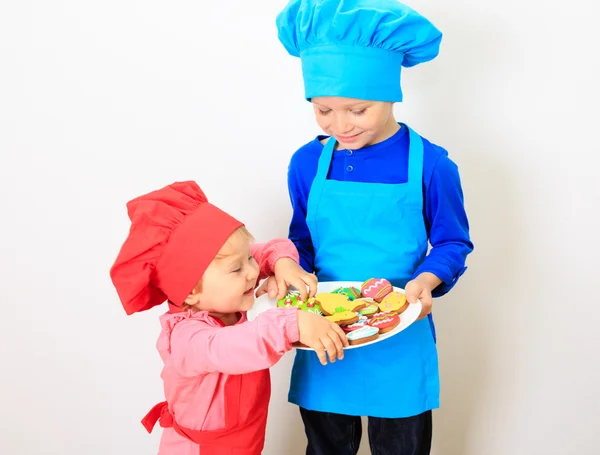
{"x":362,"y":335}
{"x":336,"y":303}
{"x":343,"y":317}
{"x":370,"y":307}
{"x":292,"y":298}
{"x":362,"y":322}
{"x":376,"y":288}
{"x":385,"y":322}
{"x":394,"y":301}
{"x":351,"y":292}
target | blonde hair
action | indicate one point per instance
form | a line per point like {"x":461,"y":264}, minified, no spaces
{"x":241,"y":232}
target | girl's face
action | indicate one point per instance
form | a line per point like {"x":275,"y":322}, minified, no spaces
{"x":227,"y":286}
{"x":355,"y":123}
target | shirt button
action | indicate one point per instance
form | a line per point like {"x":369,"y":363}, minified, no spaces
{"x":349,"y":168}
{"x":349,"y":152}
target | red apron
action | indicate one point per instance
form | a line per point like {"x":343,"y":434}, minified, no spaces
{"x":246,"y":406}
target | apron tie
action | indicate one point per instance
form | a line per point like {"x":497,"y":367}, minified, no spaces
{"x":159,"y":413}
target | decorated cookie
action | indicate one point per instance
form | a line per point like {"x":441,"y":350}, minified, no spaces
{"x":385,"y":321}
{"x":376,"y":288}
{"x":292,"y":298}
{"x":335,"y":303}
{"x":312,"y":306}
{"x":351,"y":293}
{"x":343,"y":317}
{"x":362,"y":335}
{"x":394,"y":301}
{"x":357,"y":325}
{"x":370,"y":307}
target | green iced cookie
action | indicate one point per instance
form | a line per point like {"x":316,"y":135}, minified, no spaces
{"x":292,"y":298}
{"x":351,"y":293}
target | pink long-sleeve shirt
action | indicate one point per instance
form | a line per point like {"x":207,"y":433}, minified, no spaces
{"x":199,"y":353}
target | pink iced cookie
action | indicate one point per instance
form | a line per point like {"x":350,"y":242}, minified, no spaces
{"x":357,"y":325}
{"x":376,"y":288}
{"x":385,"y":322}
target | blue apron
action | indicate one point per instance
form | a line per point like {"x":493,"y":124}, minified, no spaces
{"x":363,"y":230}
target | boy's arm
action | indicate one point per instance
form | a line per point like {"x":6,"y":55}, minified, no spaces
{"x":447,"y":225}
{"x":299,"y":188}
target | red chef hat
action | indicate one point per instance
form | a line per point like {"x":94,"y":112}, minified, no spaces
{"x":175,"y":234}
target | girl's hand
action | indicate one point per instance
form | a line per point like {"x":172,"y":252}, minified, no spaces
{"x":325,"y":337}
{"x":420,"y":288}
{"x":288,"y":273}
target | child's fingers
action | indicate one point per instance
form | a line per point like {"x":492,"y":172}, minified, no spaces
{"x":339,"y":346}
{"x":311,"y":281}
{"x":330,"y":347}
{"x":299,"y":284}
{"x":321,"y":354}
{"x":341,"y":334}
{"x":303,"y":282}
{"x":413,"y":291}
{"x":279,"y":288}
{"x":302,"y":289}
{"x":426,"y":304}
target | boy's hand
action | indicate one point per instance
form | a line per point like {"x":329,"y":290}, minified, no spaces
{"x":420,"y":289}
{"x":323,"y":336}
{"x":288,"y":273}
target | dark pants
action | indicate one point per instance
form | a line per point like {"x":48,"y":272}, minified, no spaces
{"x":338,"y":434}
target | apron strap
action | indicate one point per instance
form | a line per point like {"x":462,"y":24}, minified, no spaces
{"x":415,"y":167}
{"x":325,"y":158}
{"x":318,"y":184}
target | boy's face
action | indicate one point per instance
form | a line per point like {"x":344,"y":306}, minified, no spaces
{"x":229,"y":281}
{"x":355,"y":123}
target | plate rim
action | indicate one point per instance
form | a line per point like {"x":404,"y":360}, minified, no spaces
{"x":380,"y":338}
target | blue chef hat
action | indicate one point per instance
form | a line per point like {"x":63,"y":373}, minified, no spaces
{"x":356,"y":48}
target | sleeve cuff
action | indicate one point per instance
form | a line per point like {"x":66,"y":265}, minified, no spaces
{"x":448,"y":281}
{"x":291,"y":324}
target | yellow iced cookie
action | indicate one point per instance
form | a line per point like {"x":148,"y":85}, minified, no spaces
{"x":394,"y":301}
{"x":334,"y":303}
{"x":343,"y":317}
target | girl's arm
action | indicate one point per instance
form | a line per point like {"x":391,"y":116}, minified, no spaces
{"x":197,"y":348}
{"x":267,"y":254}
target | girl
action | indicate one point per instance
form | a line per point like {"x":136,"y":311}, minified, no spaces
{"x":367,"y":200}
{"x":182,"y":249}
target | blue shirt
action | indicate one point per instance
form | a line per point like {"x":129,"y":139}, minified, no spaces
{"x":387,"y":162}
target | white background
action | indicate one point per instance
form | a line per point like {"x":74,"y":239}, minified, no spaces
{"x":103,"y":101}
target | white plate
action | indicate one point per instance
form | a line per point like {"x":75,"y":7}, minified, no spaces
{"x":408,"y":316}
